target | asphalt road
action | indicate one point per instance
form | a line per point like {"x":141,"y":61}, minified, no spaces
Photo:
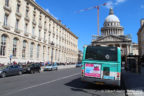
{"x":65,"y":82}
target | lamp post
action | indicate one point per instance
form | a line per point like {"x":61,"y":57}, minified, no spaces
{"x":52,"y":44}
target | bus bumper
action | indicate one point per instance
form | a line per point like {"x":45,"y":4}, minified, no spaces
{"x":101,"y":81}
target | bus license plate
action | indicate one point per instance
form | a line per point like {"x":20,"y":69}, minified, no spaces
{"x":99,"y":83}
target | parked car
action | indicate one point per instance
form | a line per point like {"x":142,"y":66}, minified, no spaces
{"x":10,"y":70}
{"x":50,"y":67}
{"x":31,"y":68}
{"x":78,"y":65}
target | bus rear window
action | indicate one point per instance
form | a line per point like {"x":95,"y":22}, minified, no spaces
{"x":101,"y":53}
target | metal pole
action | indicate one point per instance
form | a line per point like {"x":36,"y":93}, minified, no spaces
{"x":98,"y":20}
{"x":10,"y":61}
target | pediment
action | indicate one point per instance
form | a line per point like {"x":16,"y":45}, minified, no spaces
{"x":110,"y":38}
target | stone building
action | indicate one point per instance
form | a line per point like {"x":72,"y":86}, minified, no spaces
{"x":135,"y":49}
{"x":112,"y":34}
{"x":29,"y":33}
{"x":141,"y":38}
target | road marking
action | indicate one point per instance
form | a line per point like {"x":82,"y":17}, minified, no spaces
{"x":37,"y":85}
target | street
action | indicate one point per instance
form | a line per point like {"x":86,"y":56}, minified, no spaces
{"x":65,"y":82}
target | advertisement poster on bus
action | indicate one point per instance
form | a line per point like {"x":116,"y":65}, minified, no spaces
{"x":93,"y":70}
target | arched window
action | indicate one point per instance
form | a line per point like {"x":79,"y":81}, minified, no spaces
{"x":3,"y":45}
{"x":31,"y":50}
{"x":15,"y":47}
{"x":24,"y":49}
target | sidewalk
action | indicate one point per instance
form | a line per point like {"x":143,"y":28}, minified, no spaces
{"x":134,"y":83}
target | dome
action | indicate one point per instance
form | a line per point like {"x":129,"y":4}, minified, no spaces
{"x":111,"y":17}
{"x":112,"y":25}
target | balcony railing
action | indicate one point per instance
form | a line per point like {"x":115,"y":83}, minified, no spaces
{"x":45,"y":28}
{"x":26,"y":34}
{"x":45,"y":40}
{"x":7,"y":27}
{"x":34,"y":22}
{"x":18,"y":14}
{"x":7,"y":9}
{"x":40,"y":25}
{"x":39,"y":38}
{"x":27,"y":19}
{"x":33,"y":36}
{"x":17,"y":30}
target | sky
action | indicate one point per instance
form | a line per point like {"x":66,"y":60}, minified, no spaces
{"x":84,"y":24}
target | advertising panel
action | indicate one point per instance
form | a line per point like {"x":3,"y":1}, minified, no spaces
{"x":93,"y":70}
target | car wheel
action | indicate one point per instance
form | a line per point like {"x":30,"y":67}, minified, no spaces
{"x":56,"y":68}
{"x":3,"y":75}
{"x":20,"y":72}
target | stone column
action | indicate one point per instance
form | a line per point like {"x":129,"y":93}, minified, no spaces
{"x":127,"y":49}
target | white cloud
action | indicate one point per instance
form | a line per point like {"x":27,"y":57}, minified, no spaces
{"x":51,"y":13}
{"x":111,"y":3}
{"x":48,"y":10}
{"x":119,"y":1}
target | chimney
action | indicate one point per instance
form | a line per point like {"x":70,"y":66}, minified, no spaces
{"x":142,"y":22}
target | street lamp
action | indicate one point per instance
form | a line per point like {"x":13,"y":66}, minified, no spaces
{"x":52,"y":44}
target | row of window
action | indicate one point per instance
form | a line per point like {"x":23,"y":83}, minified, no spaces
{"x":15,"y":48}
{"x":112,"y":24}
{"x":33,"y":27}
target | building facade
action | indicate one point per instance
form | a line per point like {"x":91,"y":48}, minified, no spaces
{"x":30,"y":34}
{"x":80,"y":56}
{"x":112,"y":34}
{"x":141,"y":38}
{"x":135,"y":49}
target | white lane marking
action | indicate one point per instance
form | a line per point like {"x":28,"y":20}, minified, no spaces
{"x":37,"y":85}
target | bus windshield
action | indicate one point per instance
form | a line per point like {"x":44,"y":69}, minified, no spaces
{"x":101,"y":53}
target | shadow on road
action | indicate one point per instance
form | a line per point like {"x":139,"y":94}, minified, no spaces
{"x":78,"y":86}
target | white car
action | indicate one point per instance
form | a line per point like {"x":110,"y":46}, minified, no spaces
{"x":78,"y":65}
{"x":51,"y":67}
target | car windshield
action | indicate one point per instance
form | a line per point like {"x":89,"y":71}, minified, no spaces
{"x":101,"y":53}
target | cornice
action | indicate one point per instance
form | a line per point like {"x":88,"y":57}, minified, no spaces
{"x":50,"y":16}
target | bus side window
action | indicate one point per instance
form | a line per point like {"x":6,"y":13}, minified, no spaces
{"x":106,"y":71}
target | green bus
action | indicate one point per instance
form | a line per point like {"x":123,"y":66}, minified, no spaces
{"x":101,"y":65}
